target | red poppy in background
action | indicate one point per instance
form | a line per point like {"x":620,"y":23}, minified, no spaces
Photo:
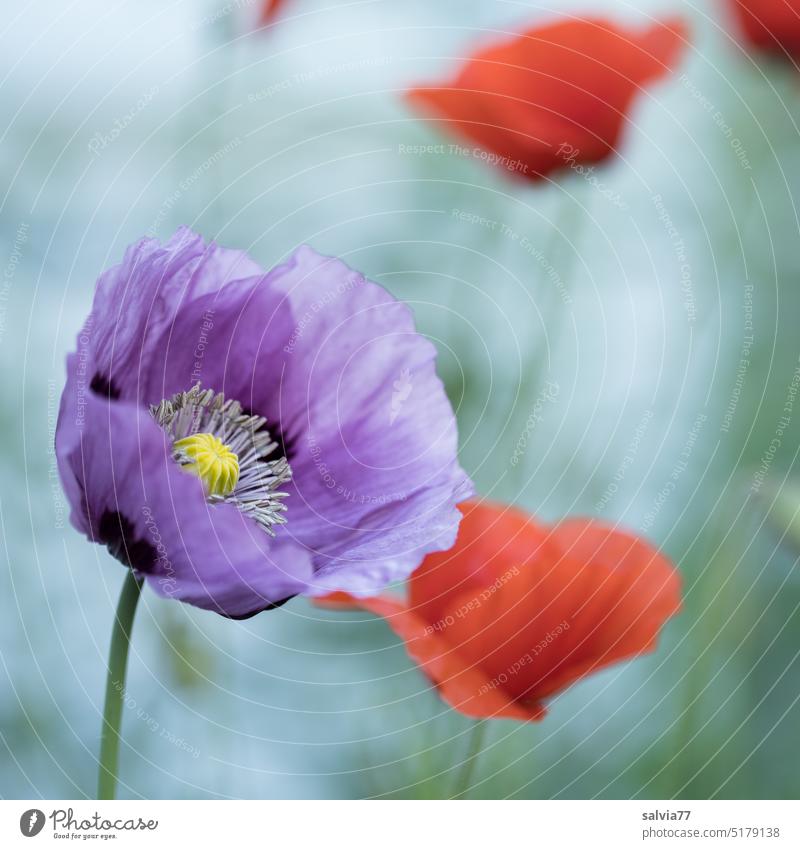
{"x":270,"y":9}
{"x":517,"y":611}
{"x":554,"y":95}
{"x":771,"y":24}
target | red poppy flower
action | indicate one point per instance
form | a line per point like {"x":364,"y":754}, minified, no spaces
{"x":771,"y":24}
{"x":517,"y":611}
{"x":270,"y":9}
{"x":554,"y":95}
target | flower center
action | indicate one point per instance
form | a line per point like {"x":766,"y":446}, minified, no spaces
{"x":229,"y":451}
{"x":211,"y":460}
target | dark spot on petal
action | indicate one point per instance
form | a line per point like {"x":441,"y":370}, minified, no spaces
{"x":103,"y":386}
{"x":272,"y":606}
{"x":118,"y":535}
{"x":285,"y":444}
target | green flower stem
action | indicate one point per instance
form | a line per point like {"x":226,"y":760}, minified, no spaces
{"x":477,"y":735}
{"x":115,"y":687}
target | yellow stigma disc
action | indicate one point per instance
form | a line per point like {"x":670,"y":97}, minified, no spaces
{"x":211,"y":460}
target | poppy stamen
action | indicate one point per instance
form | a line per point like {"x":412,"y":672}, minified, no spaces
{"x":208,"y":457}
{"x":228,"y":450}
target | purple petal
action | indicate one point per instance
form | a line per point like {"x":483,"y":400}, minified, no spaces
{"x":372,"y":436}
{"x":136,"y":500}
{"x":230,"y":341}
{"x":137,"y":301}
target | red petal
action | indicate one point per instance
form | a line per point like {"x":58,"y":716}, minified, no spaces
{"x":492,"y":539}
{"x":515,"y":612}
{"x":464,"y":686}
{"x":269,"y":11}
{"x":602,"y":599}
{"x":567,"y":83}
{"x":770,"y":24}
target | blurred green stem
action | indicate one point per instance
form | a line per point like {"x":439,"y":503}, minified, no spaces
{"x":115,"y":687}
{"x":463,"y":782}
{"x":561,"y":253}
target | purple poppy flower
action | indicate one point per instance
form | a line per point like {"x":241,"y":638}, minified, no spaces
{"x":238,"y":437}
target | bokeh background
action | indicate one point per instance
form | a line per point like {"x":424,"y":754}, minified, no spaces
{"x":624,"y":324}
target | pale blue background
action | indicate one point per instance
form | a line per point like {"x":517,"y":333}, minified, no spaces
{"x":266,"y":141}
